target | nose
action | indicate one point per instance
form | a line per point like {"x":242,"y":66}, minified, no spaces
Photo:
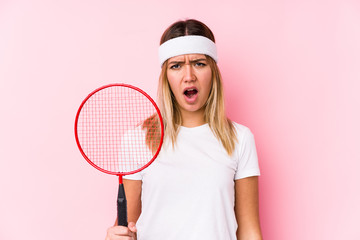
{"x":189,"y":73}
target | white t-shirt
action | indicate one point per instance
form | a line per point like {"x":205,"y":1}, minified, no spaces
{"x":188,"y":192}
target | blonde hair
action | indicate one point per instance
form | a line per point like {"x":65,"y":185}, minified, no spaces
{"x":215,"y":114}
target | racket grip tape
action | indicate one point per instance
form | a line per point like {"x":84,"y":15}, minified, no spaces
{"x":122,"y":207}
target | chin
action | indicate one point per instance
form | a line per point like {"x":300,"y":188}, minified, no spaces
{"x":193,"y":108}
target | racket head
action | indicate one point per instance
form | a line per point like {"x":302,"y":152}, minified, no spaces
{"x":119,"y":129}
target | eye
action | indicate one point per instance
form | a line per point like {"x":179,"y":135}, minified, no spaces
{"x":175,"y":66}
{"x":200,"y":64}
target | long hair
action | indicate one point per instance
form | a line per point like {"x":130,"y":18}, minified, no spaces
{"x":215,"y":114}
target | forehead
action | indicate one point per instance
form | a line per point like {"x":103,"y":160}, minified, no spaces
{"x":187,"y":56}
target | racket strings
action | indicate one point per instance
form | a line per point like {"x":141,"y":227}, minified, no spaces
{"x":119,"y":129}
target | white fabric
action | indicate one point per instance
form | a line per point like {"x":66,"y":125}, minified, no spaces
{"x":188,"y":192}
{"x":187,"y":45}
{"x":134,"y":153}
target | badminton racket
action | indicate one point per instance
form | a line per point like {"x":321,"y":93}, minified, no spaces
{"x":119,"y":131}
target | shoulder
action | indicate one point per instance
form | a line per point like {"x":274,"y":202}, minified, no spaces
{"x":242,"y":131}
{"x":245,"y":139}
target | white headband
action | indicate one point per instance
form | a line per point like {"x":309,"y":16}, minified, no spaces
{"x":187,"y":45}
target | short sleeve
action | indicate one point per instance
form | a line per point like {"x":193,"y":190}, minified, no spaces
{"x":134,"y":152}
{"x":135,"y":176}
{"x":247,"y":165}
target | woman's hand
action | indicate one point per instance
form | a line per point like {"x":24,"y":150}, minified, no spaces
{"x":122,"y":233}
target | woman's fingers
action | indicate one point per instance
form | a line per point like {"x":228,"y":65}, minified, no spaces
{"x":132,"y":227}
{"x":121,"y":232}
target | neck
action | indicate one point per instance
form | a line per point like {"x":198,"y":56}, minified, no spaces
{"x":192,"y":119}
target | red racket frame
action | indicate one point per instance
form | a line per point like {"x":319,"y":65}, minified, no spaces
{"x":119,"y":174}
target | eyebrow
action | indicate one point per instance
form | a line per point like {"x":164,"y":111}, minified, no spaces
{"x":192,"y":61}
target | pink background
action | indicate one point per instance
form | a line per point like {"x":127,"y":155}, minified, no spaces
{"x":291,"y":73}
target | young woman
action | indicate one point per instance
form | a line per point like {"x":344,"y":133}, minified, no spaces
{"x":204,"y":183}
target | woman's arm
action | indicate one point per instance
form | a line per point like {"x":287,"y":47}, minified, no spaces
{"x":133,"y":198}
{"x":247,"y":209}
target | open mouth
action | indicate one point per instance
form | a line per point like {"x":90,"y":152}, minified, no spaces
{"x":190,"y":92}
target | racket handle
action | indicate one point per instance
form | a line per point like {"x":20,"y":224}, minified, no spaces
{"x":122,"y":207}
